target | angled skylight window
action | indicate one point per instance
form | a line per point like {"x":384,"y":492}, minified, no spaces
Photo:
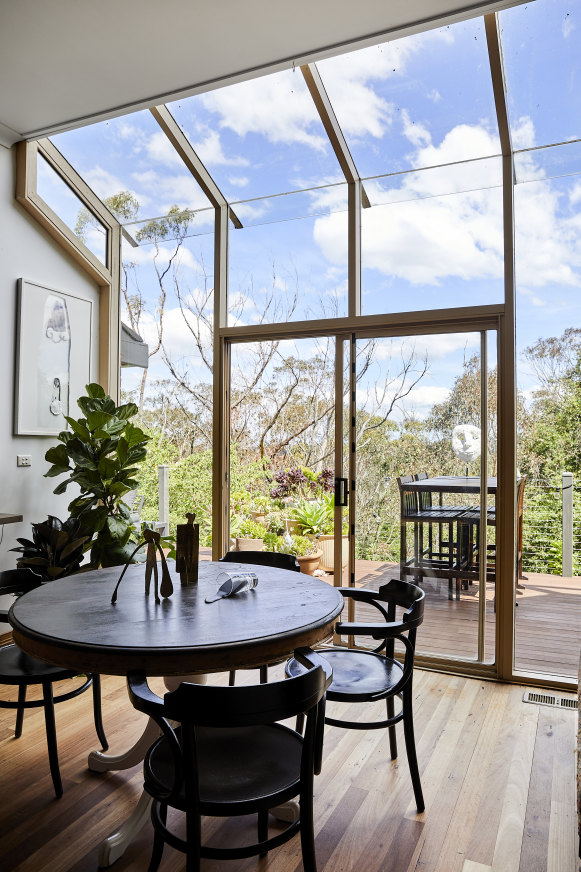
{"x":416,"y":102}
{"x":260,"y":137}
{"x":541,"y":44}
{"x":70,"y":209}
{"x":132,"y":154}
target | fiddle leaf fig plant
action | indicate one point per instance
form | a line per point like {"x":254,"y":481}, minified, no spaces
{"x":100,"y":454}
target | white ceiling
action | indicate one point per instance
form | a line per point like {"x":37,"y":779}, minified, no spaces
{"x":66,"y":62}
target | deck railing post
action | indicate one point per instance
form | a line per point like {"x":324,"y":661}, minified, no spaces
{"x":567,"y":492}
{"x":163,"y":497}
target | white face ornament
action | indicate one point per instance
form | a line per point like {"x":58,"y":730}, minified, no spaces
{"x":466,"y":442}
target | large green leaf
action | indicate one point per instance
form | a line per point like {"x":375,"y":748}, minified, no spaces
{"x":56,"y":470}
{"x":134,"y":435}
{"x":81,"y":454}
{"x":58,"y":455}
{"x":122,"y":449}
{"x":127,"y":411}
{"x":98,"y":420}
{"x":61,"y":488}
{"x":117,"y":526}
{"x":94,"y":519}
{"x":95,"y":390}
{"x":79,"y":428}
{"x":108,"y":468}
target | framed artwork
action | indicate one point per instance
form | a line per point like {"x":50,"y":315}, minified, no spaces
{"x":53,"y":358}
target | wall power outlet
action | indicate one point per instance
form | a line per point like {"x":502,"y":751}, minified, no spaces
{"x":23,"y":460}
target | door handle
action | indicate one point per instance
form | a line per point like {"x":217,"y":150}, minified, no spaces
{"x":341,"y":492}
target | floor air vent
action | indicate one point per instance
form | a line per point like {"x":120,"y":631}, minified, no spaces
{"x":549,"y":699}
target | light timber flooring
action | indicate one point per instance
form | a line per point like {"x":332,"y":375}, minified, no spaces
{"x":498,"y":777}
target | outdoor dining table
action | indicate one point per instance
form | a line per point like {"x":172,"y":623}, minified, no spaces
{"x":72,"y":622}
{"x":459,"y":564}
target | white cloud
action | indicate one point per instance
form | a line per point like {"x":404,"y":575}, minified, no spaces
{"x":160,"y":149}
{"x":239,"y":181}
{"x":278,"y":107}
{"x":170,"y":190}
{"x":532,"y":297}
{"x":415,"y":132}
{"x":426,"y":238}
{"x":211,"y":152}
{"x":523,"y":132}
{"x":105,"y":184}
{"x":434,"y":95}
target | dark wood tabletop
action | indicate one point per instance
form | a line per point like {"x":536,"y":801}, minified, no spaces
{"x":452,"y":484}
{"x":71,"y":622}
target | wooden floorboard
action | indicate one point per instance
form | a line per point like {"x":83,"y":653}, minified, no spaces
{"x":498,"y":776}
{"x":548,"y":618}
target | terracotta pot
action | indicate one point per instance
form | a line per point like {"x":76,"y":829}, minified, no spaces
{"x":327,"y":544}
{"x":310,"y":562}
{"x":243,"y":544}
{"x":258,"y":516}
{"x":291,"y":525}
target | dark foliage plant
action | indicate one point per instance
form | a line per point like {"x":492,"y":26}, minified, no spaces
{"x":56,"y":548}
{"x":101,"y":454}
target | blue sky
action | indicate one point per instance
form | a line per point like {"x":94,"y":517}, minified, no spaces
{"x":434,"y":236}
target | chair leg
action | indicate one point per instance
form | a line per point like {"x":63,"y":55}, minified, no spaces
{"x":194,"y":841}
{"x":97,"y":712}
{"x":410,"y":745}
{"x":392,"y":734}
{"x":51,"y":738}
{"x":231,"y":678}
{"x":264,"y":674}
{"x":300,"y":724}
{"x":158,"y":841}
{"x":20,"y":711}
{"x":308,"y":828}
{"x":263,"y":828}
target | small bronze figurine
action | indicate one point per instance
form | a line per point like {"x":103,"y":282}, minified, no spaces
{"x":188,"y":550}
{"x":151,"y":539}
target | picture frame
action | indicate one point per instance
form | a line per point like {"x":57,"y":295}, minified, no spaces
{"x":54,"y":331}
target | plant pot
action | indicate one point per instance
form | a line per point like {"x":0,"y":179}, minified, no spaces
{"x":309,"y":563}
{"x":291,"y":525}
{"x":327,"y":544}
{"x":243,"y":544}
{"x":259,"y":516}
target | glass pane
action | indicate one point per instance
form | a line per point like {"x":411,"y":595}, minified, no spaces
{"x":282,"y":448}
{"x":419,"y":415}
{"x":548,"y":273}
{"x":131,"y":154}
{"x":536,"y":164}
{"x":425,"y":251}
{"x":168,"y":298}
{"x":540,"y":43}
{"x":292,"y":269}
{"x":419,"y":101}
{"x":71,"y":209}
{"x":259,"y":137}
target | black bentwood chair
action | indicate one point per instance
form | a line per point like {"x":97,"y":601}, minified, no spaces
{"x":368,"y":676}
{"x":261,"y":558}
{"x":224,"y":754}
{"x":19,"y":670}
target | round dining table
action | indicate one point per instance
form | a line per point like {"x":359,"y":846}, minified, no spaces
{"x":72,"y":621}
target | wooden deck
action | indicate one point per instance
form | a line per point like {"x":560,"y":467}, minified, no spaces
{"x":548,"y":619}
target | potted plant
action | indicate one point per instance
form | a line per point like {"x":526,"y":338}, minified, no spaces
{"x":306,"y":551}
{"x":249,"y":534}
{"x":56,"y":549}
{"x":100,"y":456}
{"x":259,"y":508}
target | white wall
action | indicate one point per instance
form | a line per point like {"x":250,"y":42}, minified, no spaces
{"x":26,"y":251}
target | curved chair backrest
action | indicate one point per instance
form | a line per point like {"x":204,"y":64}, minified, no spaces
{"x":263,"y":558}
{"x":17,"y":582}
{"x":408,"y":596}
